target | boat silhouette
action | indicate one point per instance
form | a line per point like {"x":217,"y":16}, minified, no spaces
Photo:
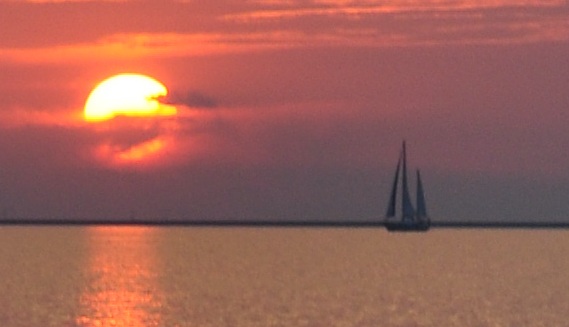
{"x":411,"y":219}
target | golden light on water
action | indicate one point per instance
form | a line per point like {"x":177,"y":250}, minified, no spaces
{"x":122,"y":288}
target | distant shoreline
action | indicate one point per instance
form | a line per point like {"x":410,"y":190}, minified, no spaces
{"x":277,"y":223}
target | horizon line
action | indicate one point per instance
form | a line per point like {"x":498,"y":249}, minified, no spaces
{"x":282,"y":223}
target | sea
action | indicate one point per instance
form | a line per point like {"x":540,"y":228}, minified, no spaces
{"x":268,"y":276}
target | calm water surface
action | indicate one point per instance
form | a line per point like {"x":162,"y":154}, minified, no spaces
{"x":173,"y":276}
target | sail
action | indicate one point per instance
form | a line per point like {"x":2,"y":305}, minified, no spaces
{"x":409,"y":219}
{"x":421,"y":206}
{"x":393,"y":196}
{"x":406,"y":206}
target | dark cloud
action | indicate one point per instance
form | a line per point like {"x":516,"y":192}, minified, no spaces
{"x":193,"y":99}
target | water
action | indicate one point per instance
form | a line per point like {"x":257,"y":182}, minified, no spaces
{"x":173,"y":276}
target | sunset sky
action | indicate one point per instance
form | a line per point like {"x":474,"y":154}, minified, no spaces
{"x":287,"y":109}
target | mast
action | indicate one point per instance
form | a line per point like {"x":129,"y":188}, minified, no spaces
{"x":421,"y":206}
{"x":393,"y":196}
{"x":407,"y":206}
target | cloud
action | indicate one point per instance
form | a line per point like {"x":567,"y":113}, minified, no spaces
{"x":353,"y":9}
{"x":111,"y":30}
{"x":416,"y":23}
{"x":192,"y":99}
{"x":16,"y":118}
{"x":133,"y":143}
{"x":127,"y":46}
{"x":291,"y":25}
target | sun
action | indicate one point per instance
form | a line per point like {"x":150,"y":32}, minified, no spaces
{"x":140,"y":138}
{"x":128,"y":94}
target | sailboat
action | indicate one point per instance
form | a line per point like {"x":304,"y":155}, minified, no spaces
{"x":410,"y":219}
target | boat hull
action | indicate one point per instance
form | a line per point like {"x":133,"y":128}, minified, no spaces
{"x":399,"y":226}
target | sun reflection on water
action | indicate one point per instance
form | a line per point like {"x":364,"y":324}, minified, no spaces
{"x":122,"y":288}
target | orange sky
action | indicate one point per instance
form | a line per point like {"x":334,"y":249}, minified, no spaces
{"x":287,"y":109}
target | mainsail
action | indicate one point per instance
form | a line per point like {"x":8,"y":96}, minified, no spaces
{"x":393,"y":196}
{"x":406,"y":206}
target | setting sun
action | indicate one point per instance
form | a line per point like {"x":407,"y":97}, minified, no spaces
{"x":132,"y":95}
{"x":132,"y":135}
